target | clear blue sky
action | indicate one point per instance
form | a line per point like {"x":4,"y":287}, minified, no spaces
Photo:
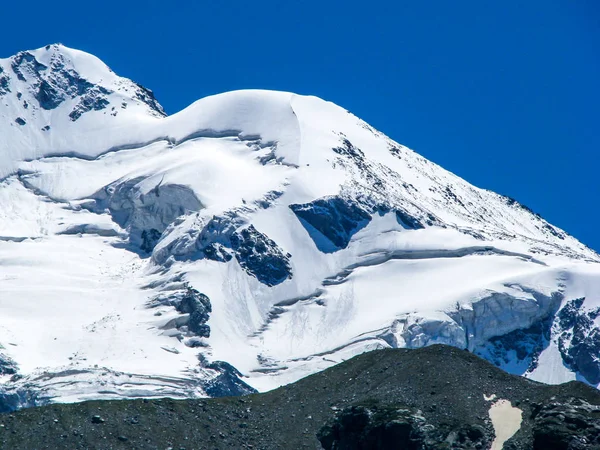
{"x":504,"y":94}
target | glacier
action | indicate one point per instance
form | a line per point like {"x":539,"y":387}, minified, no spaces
{"x":249,"y":240}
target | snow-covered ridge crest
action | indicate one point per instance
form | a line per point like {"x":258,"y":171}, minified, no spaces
{"x":251,"y":239}
{"x":50,"y":98}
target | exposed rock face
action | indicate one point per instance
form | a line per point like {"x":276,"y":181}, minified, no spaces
{"x":408,"y":221}
{"x":383,"y":428}
{"x":579,"y":339}
{"x":93,"y":99}
{"x":54,"y":84}
{"x":331,"y":221}
{"x":48,"y":79}
{"x":572,"y":425}
{"x":226,"y":236}
{"x":261,"y":257}
{"x":194,"y":306}
{"x":4,"y":83}
{"x":147,"y":96}
{"x":227,"y":383}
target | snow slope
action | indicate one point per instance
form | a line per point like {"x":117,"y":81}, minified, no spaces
{"x":251,"y":239}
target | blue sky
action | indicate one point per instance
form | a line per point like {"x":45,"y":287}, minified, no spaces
{"x":504,"y":94}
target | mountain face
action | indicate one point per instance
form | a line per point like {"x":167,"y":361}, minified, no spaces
{"x":249,"y":240}
{"x":380,"y":400}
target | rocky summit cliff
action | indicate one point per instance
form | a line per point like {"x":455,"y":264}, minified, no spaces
{"x":249,"y":240}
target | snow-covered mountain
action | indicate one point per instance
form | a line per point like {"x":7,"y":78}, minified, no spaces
{"x":249,"y":240}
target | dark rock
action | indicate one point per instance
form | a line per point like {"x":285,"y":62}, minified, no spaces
{"x":223,"y":237}
{"x":97,"y":419}
{"x":48,"y":96}
{"x":408,"y":221}
{"x":4,"y":83}
{"x":331,"y":221}
{"x":94,"y":99}
{"x":20,"y":121}
{"x":198,"y":306}
{"x":512,"y":202}
{"x":572,"y":425}
{"x":579,"y":339}
{"x":191,"y":302}
{"x":261,"y":257}
{"x":147,"y":96}
{"x":526,"y":344}
{"x":217,"y":252}
{"x":228,"y":383}
{"x":397,"y":427}
{"x":25,"y":63}
{"x":149,"y":239}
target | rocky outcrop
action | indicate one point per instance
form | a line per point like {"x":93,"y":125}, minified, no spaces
{"x":433,"y":398}
{"x":407,"y":220}
{"x":224,"y":237}
{"x":331,"y":221}
{"x":227,"y":383}
{"x":51,"y":85}
{"x":7,"y":365}
{"x":94,"y":99}
{"x":4,"y":83}
{"x":579,"y":339}
{"x":398,"y":426}
{"x":194,"y":306}
{"x":260,"y":256}
{"x":570,"y":425}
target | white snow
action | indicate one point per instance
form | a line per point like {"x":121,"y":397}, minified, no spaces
{"x":506,"y":420}
{"x":73,"y":293}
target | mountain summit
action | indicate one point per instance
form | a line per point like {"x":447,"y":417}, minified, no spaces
{"x":249,"y":240}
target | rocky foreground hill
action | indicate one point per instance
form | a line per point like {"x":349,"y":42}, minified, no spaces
{"x":437,"y":397}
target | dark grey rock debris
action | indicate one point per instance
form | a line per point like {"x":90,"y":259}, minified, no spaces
{"x":430,"y":399}
{"x":94,"y":99}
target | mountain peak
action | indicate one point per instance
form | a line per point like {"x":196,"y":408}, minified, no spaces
{"x":263,"y":232}
{"x":45,"y":92}
{"x":55,"y":73}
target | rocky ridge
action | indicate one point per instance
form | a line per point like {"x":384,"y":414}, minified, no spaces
{"x":437,"y":397}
